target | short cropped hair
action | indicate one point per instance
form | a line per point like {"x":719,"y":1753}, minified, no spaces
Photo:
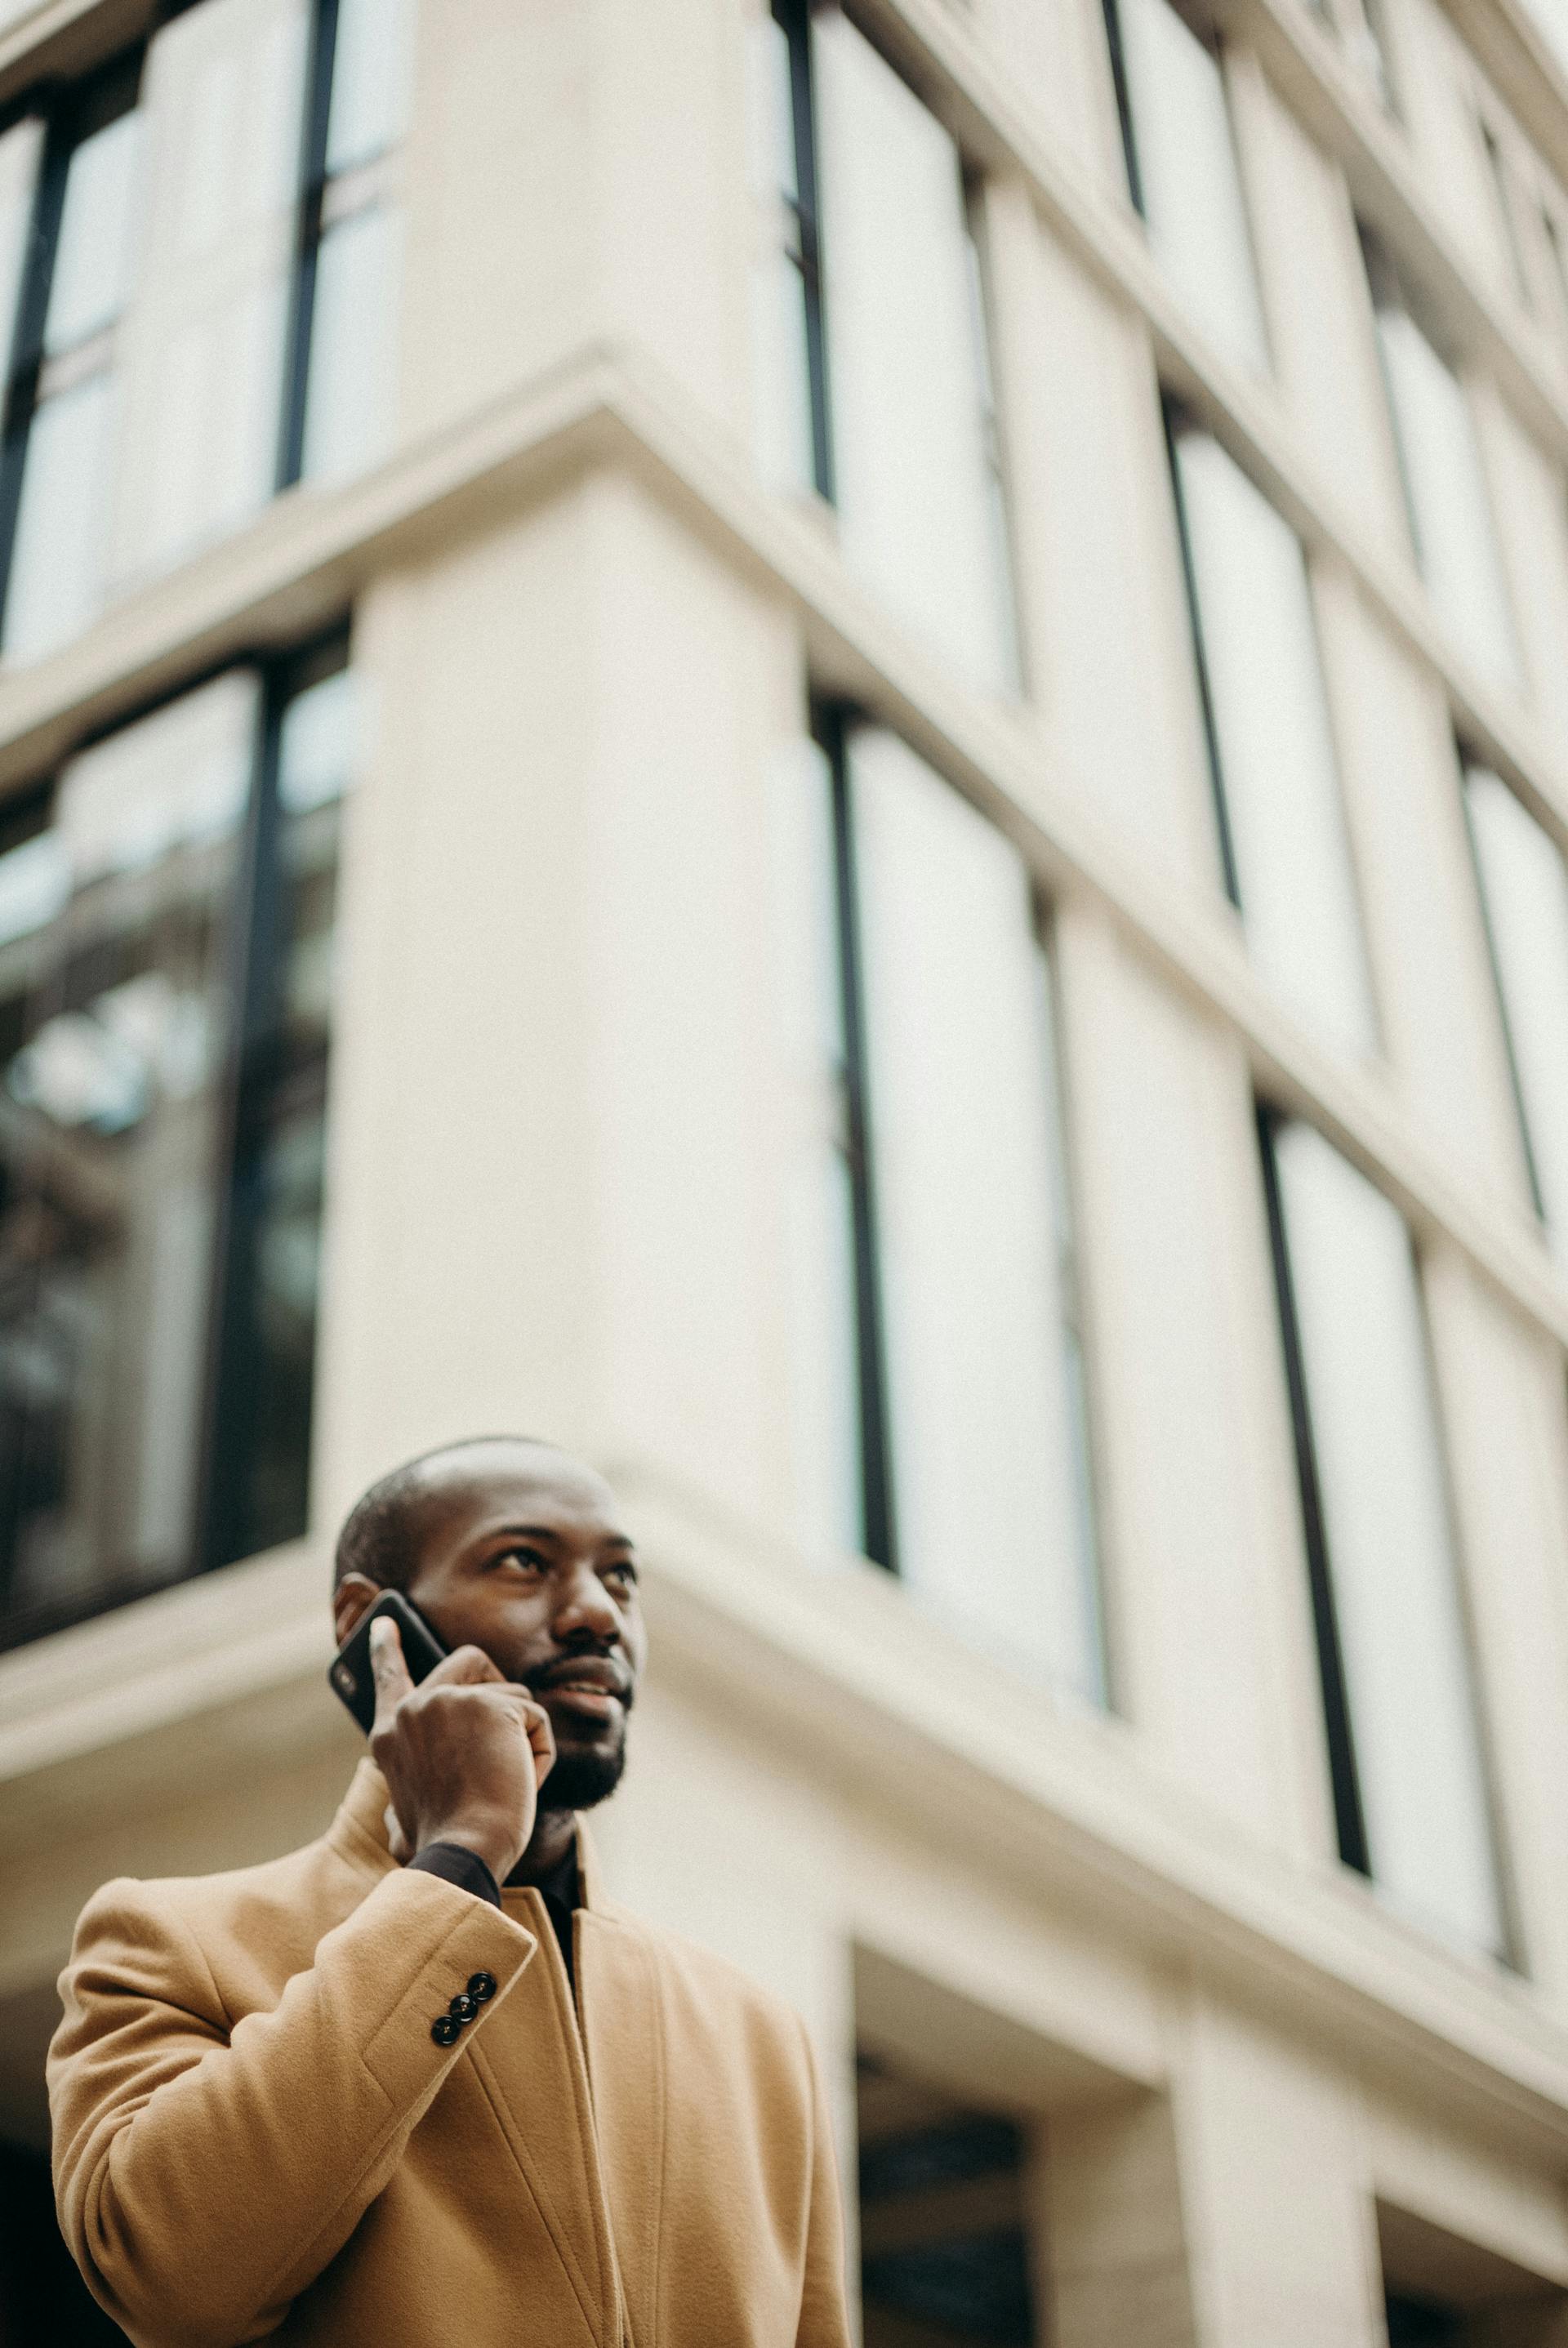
{"x":380,"y":1536}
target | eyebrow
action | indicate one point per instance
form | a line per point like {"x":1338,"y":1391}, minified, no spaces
{"x":547,"y":1533}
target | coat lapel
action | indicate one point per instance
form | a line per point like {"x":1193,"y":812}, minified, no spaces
{"x":618,"y":1992}
{"x":528,"y":2061}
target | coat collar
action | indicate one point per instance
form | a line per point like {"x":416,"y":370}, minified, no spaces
{"x":358,"y":1834}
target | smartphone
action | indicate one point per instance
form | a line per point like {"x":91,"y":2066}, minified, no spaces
{"x":350,"y":1675}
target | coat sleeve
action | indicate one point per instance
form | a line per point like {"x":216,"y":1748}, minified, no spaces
{"x":205,"y":2172}
{"x":824,"y":2319}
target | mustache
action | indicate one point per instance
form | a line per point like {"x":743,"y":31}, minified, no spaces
{"x":595,"y":1668}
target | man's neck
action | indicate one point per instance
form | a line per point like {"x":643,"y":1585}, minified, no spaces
{"x":554,"y":1832}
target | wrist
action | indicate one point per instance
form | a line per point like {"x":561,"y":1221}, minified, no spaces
{"x":493,"y":1841}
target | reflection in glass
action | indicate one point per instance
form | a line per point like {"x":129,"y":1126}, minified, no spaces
{"x":204,"y":345}
{"x":372,"y":78}
{"x":1524,"y":888}
{"x":266,"y":1374}
{"x":911,"y":470}
{"x":1182,"y":162}
{"x":350,"y":408}
{"x":57,"y":555}
{"x":784,"y":284}
{"x":829,"y":1464}
{"x":96,"y":240}
{"x":1373,"y":1461}
{"x":983,"y":1424}
{"x":1445,"y":488}
{"x":1277,"y":777}
{"x":166,"y":926}
{"x":115,"y":1027}
{"x":19,"y":148}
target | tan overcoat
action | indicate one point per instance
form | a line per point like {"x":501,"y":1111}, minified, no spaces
{"x":256,"y":2134}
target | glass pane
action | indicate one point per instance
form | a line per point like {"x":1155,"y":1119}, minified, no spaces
{"x":983,"y":1436}
{"x":1189,"y":181}
{"x":19,"y":149}
{"x":261,"y":1453}
{"x":1449,"y":510}
{"x":1279,"y":776}
{"x":770,"y":125}
{"x":910,"y":468}
{"x":351,"y":404}
{"x":318,"y":754}
{"x":57,"y":584}
{"x":1391,"y":1561}
{"x":113,"y":1031}
{"x":201,"y":353}
{"x":281,"y":1196}
{"x":809,"y":1016}
{"x":214,"y":438}
{"x":97,"y":234}
{"x":372,"y":76}
{"x":783,"y":391}
{"x":1525,"y":888}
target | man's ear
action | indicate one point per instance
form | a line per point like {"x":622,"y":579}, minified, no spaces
{"x":351,"y":1601}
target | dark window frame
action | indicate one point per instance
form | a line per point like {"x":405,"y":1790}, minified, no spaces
{"x":1349,"y":1818}
{"x":830,"y":723}
{"x":70,"y":112}
{"x":794,"y":20}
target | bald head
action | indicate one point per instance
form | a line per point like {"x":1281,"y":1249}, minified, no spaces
{"x":383,"y":1531}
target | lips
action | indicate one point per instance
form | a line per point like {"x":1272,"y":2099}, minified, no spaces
{"x":592,"y":1680}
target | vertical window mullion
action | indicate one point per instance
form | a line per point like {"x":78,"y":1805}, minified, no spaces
{"x":249,"y":981}
{"x":311,"y":203}
{"x":1349,"y":1822}
{"x":27,"y":354}
{"x":876,"y":1460}
{"x":794,"y":17}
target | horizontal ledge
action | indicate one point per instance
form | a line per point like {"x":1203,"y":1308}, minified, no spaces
{"x":839,"y":1669}
{"x":303,"y":561}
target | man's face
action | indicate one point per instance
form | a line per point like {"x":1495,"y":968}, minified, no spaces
{"x":521,"y":1554}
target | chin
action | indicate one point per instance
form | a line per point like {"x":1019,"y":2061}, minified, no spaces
{"x":580,"y":1779}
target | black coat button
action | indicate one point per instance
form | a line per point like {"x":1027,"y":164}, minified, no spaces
{"x":445,"y":2031}
{"x":481,"y":1988}
{"x":463,"y":2008}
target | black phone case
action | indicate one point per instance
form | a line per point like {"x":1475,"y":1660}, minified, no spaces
{"x":349,"y":1674}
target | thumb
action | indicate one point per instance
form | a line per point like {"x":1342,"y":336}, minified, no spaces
{"x":387,"y":1669}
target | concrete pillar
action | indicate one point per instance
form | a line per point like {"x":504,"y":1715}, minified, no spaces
{"x":1114,"y":2259}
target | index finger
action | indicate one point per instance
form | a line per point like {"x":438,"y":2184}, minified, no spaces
{"x":387,"y":1669}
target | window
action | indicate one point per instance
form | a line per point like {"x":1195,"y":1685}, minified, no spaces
{"x":341,"y":415}
{"x":1524,"y":892}
{"x":874,"y":384}
{"x":945,"y":2221}
{"x":206,"y":309}
{"x":943,"y":1251}
{"x":1443,"y":2292}
{"x":1411,"y":1795}
{"x":166,"y":914}
{"x":1182,"y":170}
{"x":1272,"y":757}
{"x":1445,"y":489}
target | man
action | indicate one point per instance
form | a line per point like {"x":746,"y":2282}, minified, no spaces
{"x":421,"y":2082}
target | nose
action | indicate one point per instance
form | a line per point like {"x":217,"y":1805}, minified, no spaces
{"x":586,"y":1610}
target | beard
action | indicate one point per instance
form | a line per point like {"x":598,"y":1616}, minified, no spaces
{"x":579,"y":1780}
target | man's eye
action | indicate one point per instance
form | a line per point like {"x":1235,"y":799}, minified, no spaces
{"x":529,"y":1559}
{"x":626,"y":1572}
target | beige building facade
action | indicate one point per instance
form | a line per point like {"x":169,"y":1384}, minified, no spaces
{"x":826,"y":750}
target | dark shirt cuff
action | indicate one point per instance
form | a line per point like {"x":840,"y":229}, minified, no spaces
{"x":454,"y":1863}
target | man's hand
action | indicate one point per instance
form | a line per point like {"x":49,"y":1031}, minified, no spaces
{"x":464,"y":1754}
